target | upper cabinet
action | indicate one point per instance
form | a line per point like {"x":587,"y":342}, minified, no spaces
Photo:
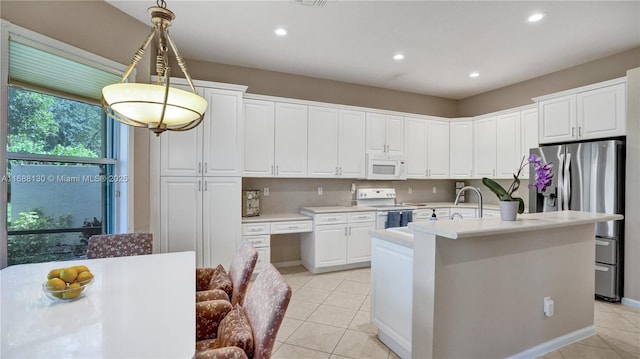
{"x":427,"y":148}
{"x":336,"y":143}
{"x":275,"y":139}
{"x":385,"y":134}
{"x":508,"y":144}
{"x":484,"y":147}
{"x":461,"y":148}
{"x":589,"y":112}
{"x":528,"y":131}
{"x":211,"y":149}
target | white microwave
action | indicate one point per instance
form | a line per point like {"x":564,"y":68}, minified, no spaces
{"x":385,"y":167}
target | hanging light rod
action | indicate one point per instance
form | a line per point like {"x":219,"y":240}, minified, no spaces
{"x":157,"y":107}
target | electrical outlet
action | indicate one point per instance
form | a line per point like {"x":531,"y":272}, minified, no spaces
{"x":319,"y":191}
{"x":435,"y":190}
{"x":410,"y":190}
{"x":266,"y":191}
{"x":548,"y":306}
{"x":353,"y":187}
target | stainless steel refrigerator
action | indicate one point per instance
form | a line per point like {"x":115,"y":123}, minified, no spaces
{"x":589,"y":176}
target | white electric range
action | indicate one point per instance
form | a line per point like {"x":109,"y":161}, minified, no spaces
{"x":388,"y":212}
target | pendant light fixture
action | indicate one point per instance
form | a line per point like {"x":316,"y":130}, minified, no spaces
{"x":157,"y":107}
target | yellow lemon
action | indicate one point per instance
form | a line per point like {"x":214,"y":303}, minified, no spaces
{"x":56,"y":284}
{"x":54,"y":273}
{"x":80,"y":268}
{"x":68,"y":275}
{"x":84,"y":277}
{"x":73,"y":291}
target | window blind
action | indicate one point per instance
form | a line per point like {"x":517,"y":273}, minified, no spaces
{"x":33,"y":66}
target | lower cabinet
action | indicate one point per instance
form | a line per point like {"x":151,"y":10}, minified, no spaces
{"x":201,"y":214}
{"x":338,"y":240}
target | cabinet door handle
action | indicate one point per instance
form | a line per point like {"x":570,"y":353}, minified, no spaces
{"x":573,"y":131}
{"x":277,"y":171}
{"x":579,"y":131}
{"x":206,"y":167}
{"x":349,"y":230}
{"x":340,"y":171}
{"x":206,"y":186}
{"x":199,"y":167}
{"x":199,"y":186}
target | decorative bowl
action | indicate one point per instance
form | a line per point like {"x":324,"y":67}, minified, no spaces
{"x":68,"y":294}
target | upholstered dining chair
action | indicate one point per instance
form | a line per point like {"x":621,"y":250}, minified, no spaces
{"x":240,"y":272}
{"x":252,"y":327}
{"x":119,"y":245}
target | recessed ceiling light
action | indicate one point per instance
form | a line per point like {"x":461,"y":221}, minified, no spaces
{"x":281,"y":31}
{"x":474,"y":74}
{"x":536,"y":17}
{"x":398,"y":57}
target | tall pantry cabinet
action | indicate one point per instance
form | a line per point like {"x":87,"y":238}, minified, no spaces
{"x":199,"y":174}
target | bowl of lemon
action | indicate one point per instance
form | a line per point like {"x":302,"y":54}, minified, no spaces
{"x":67,"y":284}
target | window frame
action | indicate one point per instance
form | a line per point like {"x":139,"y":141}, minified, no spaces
{"x":123,"y":135}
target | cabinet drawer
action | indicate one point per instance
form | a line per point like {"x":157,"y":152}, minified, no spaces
{"x":263,"y":240}
{"x":361,"y":217}
{"x":330,"y":218}
{"x":606,"y":278}
{"x":490,"y":213}
{"x":291,"y":227}
{"x":264,"y":258}
{"x":255,"y":228}
{"x":606,"y":251}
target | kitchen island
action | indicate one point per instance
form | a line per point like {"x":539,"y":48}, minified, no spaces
{"x":475,"y":288}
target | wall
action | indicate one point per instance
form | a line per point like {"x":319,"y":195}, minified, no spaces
{"x":93,"y":26}
{"x":308,"y":88}
{"x":520,"y":94}
{"x":632,"y":194}
{"x":288,"y":195}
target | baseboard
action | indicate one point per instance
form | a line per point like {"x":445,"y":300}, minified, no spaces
{"x":555,"y":343}
{"x":287,"y":264}
{"x":631,"y":302}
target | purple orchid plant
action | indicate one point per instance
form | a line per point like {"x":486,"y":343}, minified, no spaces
{"x":544,"y":175}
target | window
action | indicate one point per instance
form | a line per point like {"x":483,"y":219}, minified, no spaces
{"x":63,"y":172}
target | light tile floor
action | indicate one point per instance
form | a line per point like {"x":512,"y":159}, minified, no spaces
{"x":328,"y":317}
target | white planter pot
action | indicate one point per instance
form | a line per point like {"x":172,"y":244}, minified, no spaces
{"x":508,"y":210}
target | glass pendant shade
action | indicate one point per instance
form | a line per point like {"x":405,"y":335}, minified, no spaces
{"x":141,"y":105}
{"x":158,"y":107}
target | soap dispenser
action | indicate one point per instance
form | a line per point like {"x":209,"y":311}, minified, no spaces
{"x":433,"y":215}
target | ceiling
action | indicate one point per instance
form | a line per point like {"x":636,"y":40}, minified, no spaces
{"x":443,"y":41}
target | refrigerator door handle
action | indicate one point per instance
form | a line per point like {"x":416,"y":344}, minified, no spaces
{"x":567,"y":182}
{"x":560,"y":186}
{"x":602,"y":269}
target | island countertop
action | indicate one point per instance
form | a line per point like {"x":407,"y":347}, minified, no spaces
{"x":459,"y":229}
{"x":524,"y":222}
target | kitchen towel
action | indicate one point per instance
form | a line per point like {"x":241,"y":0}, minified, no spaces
{"x":393,"y":219}
{"x":405,"y":218}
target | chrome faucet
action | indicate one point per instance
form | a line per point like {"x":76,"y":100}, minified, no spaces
{"x":477,"y":191}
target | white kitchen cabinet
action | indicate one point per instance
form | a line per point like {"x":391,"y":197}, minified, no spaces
{"x":338,"y":240}
{"x":336,"y":143}
{"x":461,"y":148}
{"x":508,"y":144}
{"x":438,"y":149}
{"x":484,"y":147}
{"x":529,"y":132}
{"x":258,"y":234}
{"x":385,"y":134}
{"x":275,"y":139}
{"x":201,"y":214}
{"x":351,"y":144}
{"x":290,"y":140}
{"x":323,"y":142}
{"x":259,"y":138}
{"x":589,"y":112}
{"x":211,"y":149}
{"x":427,"y":148}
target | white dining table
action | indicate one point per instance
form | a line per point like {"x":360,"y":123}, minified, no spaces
{"x":137,"y":307}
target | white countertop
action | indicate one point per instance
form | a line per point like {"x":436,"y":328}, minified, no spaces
{"x":334,"y":209}
{"x":429,"y":205}
{"x":137,"y":307}
{"x":276,"y":217}
{"x":460,"y":229}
